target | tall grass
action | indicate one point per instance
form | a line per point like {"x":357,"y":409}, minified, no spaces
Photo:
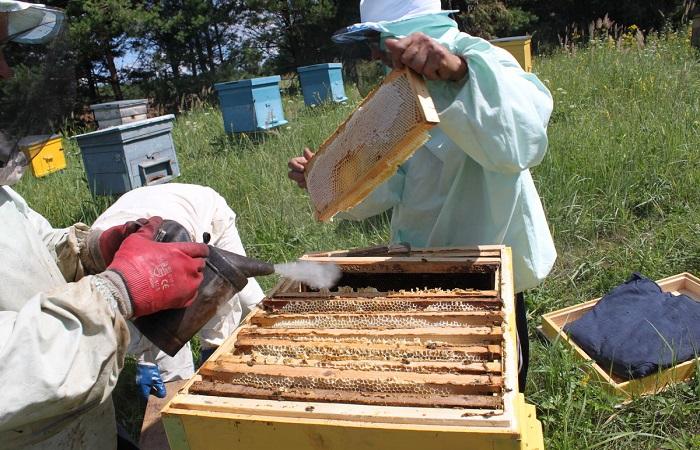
{"x":620,"y":184}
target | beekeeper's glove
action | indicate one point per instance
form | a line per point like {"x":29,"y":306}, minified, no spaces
{"x":147,"y":276}
{"x":98,"y":249}
{"x":149,"y":381}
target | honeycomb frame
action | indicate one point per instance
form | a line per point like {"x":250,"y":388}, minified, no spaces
{"x":366,"y":149}
{"x":465,"y":374}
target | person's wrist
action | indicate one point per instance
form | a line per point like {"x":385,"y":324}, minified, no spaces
{"x":116,"y":291}
{"x":460,"y":68}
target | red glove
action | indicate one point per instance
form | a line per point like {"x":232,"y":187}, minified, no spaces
{"x":158,"y":275}
{"x":110,"y":239}
{"x":98,"y":249}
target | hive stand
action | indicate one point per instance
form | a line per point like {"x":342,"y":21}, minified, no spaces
{"x":425,"y":358}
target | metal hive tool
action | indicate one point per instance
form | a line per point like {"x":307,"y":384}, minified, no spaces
{"x":384,"y":131}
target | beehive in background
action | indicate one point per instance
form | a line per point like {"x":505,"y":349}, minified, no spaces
{"x":251,"y":105}
{"x":119,"y":113}
{"x":124,"y":157}
{"x":415,"y":349}
{"x":387,"y":127}
{"x":519,"y":47}
{"x":322,"y":83}
{"x":45,"y":153}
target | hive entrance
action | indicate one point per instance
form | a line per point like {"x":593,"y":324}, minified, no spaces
{"x":420,"y":337}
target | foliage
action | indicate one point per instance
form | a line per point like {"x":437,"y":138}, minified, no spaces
{"x":491,"y":18}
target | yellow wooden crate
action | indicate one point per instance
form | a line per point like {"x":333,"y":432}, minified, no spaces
{"x":519,"y":47}
{"x":235,"y":399}
{"x":45,"y":154}
{"x":553,"y":328}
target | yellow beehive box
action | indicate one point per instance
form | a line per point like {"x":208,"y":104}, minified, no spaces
{"x":553,"y":328}
{"x":45,"y":154}
{"x":411,"y":349}
{"x":519,"y":47}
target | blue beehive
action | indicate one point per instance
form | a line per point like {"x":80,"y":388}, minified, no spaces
{"x":121,"y":158}
{"x":251,"y":105}
{"x":322,"y":83}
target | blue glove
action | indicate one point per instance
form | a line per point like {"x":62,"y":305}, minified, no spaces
{"x":149,"y":381}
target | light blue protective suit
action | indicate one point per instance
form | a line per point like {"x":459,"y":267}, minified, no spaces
{"x":470,"y":183}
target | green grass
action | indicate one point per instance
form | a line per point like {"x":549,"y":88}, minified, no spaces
{"x":620,"y":185}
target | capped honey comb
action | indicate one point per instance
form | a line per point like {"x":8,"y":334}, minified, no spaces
{"x":388,"y":126}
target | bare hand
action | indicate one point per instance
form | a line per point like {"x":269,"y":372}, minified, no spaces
{"x":297,"y":166}
{"x":426,"y":56}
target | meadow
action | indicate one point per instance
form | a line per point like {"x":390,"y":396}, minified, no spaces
{"x":620,"y":185}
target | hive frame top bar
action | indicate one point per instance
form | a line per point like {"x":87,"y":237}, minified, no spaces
{"x":357,"y":166}
{"x":498,"y":421}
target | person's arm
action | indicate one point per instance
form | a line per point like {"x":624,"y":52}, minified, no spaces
{"x":496,"y":112}
{"x":61,"y":353}
{"x":498,"y":115}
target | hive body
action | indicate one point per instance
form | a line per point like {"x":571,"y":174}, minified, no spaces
{"x":120,"y":158}
{"x":409,"y":348}
{"x":389,"y":125}
{"x":251,"y":105}
{"x":322,"y":83}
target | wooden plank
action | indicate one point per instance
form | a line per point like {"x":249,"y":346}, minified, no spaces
{"x":371,"y":320}
{"x":362,"y":364}
{"x":430,"y":294}
{"x":345,"y":351}
{"x":451,"y":335}
{"x":415,"y":264}
{"x":341,"y":413}
{"x":338,"y":379}
{"x":479,"y":250}
{"x":333,"y":396}
{"x":378,"y":304}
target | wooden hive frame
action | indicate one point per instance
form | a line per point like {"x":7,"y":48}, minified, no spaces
{"x":356,"y":158}
{"x":478,"y":404}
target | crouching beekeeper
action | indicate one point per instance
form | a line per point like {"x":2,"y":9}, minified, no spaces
{"x":470,"y":184}
{"x":63,"y":333}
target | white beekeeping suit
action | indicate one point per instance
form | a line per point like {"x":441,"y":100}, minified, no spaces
{"x":199,"y":209}
{"x":62,"y":343}
{"x":62,"y":337}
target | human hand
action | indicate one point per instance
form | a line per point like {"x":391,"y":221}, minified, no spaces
{"x":149,"y":381}
{"x":157,"y":275}
{"x":101,"y":246}
{"x":425,"y":56}
{"x":297,"y":166}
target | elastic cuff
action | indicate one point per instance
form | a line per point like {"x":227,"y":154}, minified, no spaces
{"x":113,"y":287}
{"x":90,"y":254}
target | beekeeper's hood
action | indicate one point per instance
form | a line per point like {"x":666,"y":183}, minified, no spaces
{"x":396,"y":19}
{"x":36,"y":98}
{"x":31,"y":23}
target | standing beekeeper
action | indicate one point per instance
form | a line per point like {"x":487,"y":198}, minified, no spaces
{"x":63,"y":335}
{"x":470,"y":183}
{"x":199,"y":210}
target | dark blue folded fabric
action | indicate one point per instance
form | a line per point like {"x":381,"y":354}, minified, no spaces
{"x":636,"y":329}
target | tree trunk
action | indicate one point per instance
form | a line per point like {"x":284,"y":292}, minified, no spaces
{"x":200,"y":54}
{"x":210,"y":48}
{"x":92,"y":86}
{"x":113,"y":74}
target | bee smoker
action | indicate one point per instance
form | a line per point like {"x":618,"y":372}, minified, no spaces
{"x":225,"y":274}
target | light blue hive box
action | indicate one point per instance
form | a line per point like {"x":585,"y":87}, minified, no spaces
{"x":322,"y":83}
{"x":119,"y":159}
{"x":251,"y":105}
